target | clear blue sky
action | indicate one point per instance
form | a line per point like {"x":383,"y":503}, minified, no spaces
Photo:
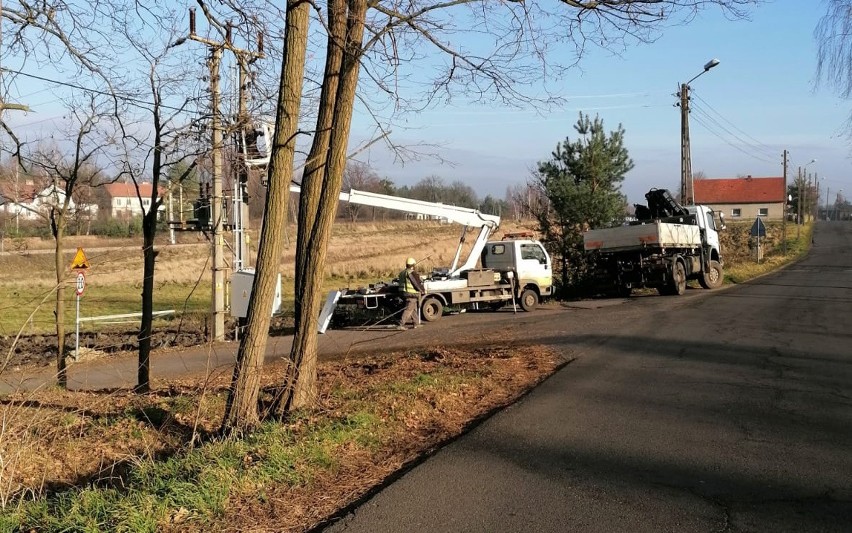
{"x":759,"y":101}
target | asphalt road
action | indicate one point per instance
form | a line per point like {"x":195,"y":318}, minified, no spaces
{"x":725,"y":410}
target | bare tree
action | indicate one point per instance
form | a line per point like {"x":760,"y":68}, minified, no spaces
{"x":171,"y":143}
{"x":66,"y":169}
{"x":834,"y":49}
{"x":361,"y":177}
{"x":241,"y":412}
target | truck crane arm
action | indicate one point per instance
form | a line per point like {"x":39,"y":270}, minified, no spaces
{"x":465,"y":216}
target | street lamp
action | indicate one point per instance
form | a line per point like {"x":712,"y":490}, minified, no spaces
{"x":807,"y":186}
{"x":827,"y":196}
{"x":685,"y":149}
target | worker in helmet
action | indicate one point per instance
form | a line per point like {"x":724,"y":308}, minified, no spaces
{"x":412,"y":288}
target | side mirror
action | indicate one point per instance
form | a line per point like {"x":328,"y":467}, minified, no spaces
{"x":722,"y":221}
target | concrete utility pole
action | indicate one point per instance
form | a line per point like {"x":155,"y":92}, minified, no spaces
{"x":784,"y":207}
{"x":687,"y":189}
{"x":218,"y":300}
{"x":685,"y":149}
{"x":799,"y":205}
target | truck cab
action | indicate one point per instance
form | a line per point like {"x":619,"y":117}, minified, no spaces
{"x":706,"y":220}
{"x":527,"y":259}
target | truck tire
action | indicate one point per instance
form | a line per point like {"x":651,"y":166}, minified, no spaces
{"x":529,"y":300}
{"x":677,"y":284}
{"x":713,"y":278}
{"x":431,"y":309}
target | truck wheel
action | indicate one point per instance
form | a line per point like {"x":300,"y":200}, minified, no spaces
{"x":432,"y":309}
{"x":678,"y":282}
{"x":713,"y":278}
{"x":529,"y":300}
{"x":624,"y":290}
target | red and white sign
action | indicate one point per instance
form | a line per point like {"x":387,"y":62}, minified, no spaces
{"x":81,"y":283}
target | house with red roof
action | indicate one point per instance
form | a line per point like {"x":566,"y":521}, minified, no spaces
{"x":743,"y":198}
{"x":125,"y":201}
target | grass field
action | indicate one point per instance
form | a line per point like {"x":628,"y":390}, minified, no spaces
{"x":359,"y":254}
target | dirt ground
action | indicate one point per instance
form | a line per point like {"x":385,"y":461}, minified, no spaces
{"x":40,"y":349}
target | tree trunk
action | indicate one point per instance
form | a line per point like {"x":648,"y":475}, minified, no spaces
{"x":58,"y":223}
{"x":149,"y":255}
{"x":300,"y":386}
{"x":241,"y":412}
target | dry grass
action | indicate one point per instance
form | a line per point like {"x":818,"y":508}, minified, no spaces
{"x":91,"y":460}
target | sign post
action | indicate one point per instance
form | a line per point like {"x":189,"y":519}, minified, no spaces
{"x":758,"y":229}
{"x":80,"y":265}
{"x":81,"y":286}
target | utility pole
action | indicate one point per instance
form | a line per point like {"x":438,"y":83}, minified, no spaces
{"x":784,"y":208}
{"x":685,"y":151}
{"x":816,"y":197}
{"x":799,"y":205}
{"x":216,"y":222}
{"x":687,"y":197}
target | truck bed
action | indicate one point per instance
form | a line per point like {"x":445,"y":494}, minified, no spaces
{"x":651,"y":234}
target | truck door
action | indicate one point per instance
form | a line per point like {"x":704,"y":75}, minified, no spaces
{"x":710,"y":232}
{"x":534,"y":265}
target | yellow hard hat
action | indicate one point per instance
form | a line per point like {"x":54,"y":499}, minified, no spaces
{"x":410,"y":261}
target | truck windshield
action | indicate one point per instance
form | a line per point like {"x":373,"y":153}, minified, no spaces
{"x":711,"y":223}
{"x":534,"y":252}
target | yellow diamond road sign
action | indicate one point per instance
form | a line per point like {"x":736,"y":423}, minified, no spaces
{"x":80,"y":262}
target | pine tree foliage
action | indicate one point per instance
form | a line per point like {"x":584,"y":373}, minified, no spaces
{"x":582,"y":186}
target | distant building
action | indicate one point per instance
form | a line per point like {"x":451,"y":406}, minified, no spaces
{"x":27,"y":202}
{"x":743,"y":198}
{"x":125,"y":201}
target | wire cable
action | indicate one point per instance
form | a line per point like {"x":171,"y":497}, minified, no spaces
{"x":731,"y":123}
{"x":719,"y":125}
{"x":130,"y":99}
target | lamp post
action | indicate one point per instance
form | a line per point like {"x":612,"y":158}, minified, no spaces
{"x":685,"y":149}
{"x":827,"y":195}
{"x":807,"y":186}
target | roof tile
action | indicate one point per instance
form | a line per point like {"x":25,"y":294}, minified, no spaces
{"x":739,"y":190}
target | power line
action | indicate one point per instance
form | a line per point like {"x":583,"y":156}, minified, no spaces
{"x":729,"y":143}
{"x":708,"y":116}
{"x":770,"y":149}
{"x":131,"y":99}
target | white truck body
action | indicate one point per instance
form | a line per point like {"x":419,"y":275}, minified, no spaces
{"x":494,"y":272}
{"x":660,"y":252}
{"x":662,"y":234}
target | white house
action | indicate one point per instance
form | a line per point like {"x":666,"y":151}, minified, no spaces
{"x":27,"y":203}
{"x":125,"y":201}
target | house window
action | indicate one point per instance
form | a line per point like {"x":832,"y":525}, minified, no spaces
{"x":127,"y":202}
{"x":763,"y":212}
{"x":736,"y":212}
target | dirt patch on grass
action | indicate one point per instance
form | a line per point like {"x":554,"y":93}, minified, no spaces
{"x":55,"y":441}
{"x":36,"y":350}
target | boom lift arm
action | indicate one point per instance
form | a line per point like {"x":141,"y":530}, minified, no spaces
{"x":465,"y":216}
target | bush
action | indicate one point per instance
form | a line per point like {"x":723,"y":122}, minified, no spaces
{"x":112,"y":227}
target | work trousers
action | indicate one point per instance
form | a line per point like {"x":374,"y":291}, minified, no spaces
{"x":411,"y":312}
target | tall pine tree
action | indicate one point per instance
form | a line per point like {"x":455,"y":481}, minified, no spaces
{"x":582,"y":184}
